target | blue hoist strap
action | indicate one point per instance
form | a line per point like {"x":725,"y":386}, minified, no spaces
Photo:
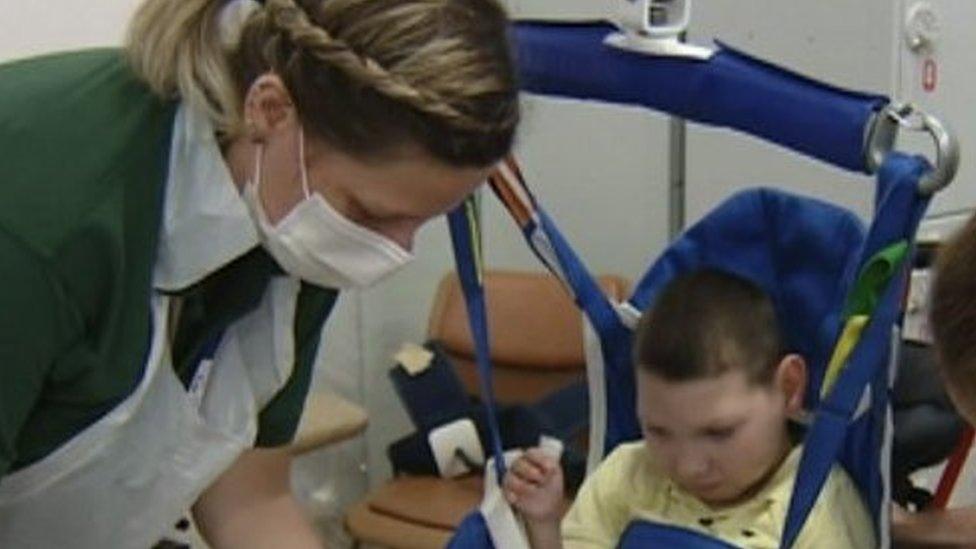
{"x":899,"y":210}
{"x":466,"y":239}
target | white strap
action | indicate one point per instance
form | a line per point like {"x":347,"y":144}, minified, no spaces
{"x":596,"y":383}
{"x":887,"y":442}
{"x":552,"y":447}
{"x":504,"y":526}
{"x":628,"y":314}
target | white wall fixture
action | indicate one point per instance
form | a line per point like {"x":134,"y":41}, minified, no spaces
{"x":655,"y":27}
{"x":934,"y":52}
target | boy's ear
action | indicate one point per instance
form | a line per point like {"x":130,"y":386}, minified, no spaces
{"x":791,"y":380}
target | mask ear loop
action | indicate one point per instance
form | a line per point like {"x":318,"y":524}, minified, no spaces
{"x":302,"y":169}
{"x":258,"y":158}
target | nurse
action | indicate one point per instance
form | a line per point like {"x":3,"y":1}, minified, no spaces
{"x":176,"y":221}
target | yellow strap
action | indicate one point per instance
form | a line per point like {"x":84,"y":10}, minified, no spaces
{"x":848,"y":339}
{"x":471,"y":211}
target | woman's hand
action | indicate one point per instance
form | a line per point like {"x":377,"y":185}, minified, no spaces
{"x":251,"y":506}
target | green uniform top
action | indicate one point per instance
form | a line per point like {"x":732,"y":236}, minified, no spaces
{"x":84,"y":158}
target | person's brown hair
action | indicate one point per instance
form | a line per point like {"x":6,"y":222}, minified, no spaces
{"x":953,"y":307}
{"x":706,"y":323}
{"x":368,"y":76}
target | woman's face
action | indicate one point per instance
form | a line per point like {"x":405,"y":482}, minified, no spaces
{"x":394,"y":196}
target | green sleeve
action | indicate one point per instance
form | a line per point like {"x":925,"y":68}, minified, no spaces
{"x":36,"y":323}
{"x":278,"y":420}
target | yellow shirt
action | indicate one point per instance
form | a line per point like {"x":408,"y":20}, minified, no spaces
{"x":627,"y":486}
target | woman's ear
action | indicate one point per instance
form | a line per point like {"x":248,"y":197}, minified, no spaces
{"x":791,"y":381}
{"x":268,"y":108}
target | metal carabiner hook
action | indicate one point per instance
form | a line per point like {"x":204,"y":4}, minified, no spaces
{"x":884,"y":133}
{"x":946,"y":159}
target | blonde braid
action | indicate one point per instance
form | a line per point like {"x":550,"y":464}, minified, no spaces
{"x":290,"y":18}
{"x":175,"y":47}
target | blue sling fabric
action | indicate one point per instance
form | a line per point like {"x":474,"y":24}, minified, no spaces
{"x":800,"y":251}
{"x":730,"y":90}
{"x":466,"y":239}
{"x":549,"y":245}
{"x":615,"y":338}
{"x":805,"y":253}
{"x":472,"y":533}
{"x":833,"y":435}
{"x":643,"y":535}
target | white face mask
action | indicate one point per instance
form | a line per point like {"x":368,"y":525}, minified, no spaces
{"x":316,"y":243}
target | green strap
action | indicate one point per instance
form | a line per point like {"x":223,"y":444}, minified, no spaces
{"x":873,"y":278}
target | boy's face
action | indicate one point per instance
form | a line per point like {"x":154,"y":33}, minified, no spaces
{"x":718,"y":438}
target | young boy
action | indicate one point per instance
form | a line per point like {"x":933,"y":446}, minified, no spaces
{"x":715,"y":394}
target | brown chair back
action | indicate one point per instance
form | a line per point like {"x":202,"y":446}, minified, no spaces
{"x":535,"y":330}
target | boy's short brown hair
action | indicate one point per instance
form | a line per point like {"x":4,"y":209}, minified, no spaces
{"x":953,"y":307}
{"x":706,"y":323}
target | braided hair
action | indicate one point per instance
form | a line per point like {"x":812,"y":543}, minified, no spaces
{"x":367,"y":76}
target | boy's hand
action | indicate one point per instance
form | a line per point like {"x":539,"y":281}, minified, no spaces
{"x":534,"y":486}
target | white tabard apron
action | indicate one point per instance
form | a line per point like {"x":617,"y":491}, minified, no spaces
{"x":125,"y":480}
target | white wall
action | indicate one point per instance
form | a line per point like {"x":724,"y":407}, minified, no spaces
{"x":848,"y":44}
{"x":952,"y":97}
{"x":29,"y":28}
{"x":563,"y":10}
{"x":859,"y":45}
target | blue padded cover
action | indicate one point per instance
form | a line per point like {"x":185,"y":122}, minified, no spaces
{"x":435,"y":396}
{"x":644,"y":534}
{"x":472,"y":533}
{"x":802,"y":252}
{"x":730,"y":90}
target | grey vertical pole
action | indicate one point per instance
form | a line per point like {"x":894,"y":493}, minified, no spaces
{"x":677,"y":170}
{"x":677,"y":141}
